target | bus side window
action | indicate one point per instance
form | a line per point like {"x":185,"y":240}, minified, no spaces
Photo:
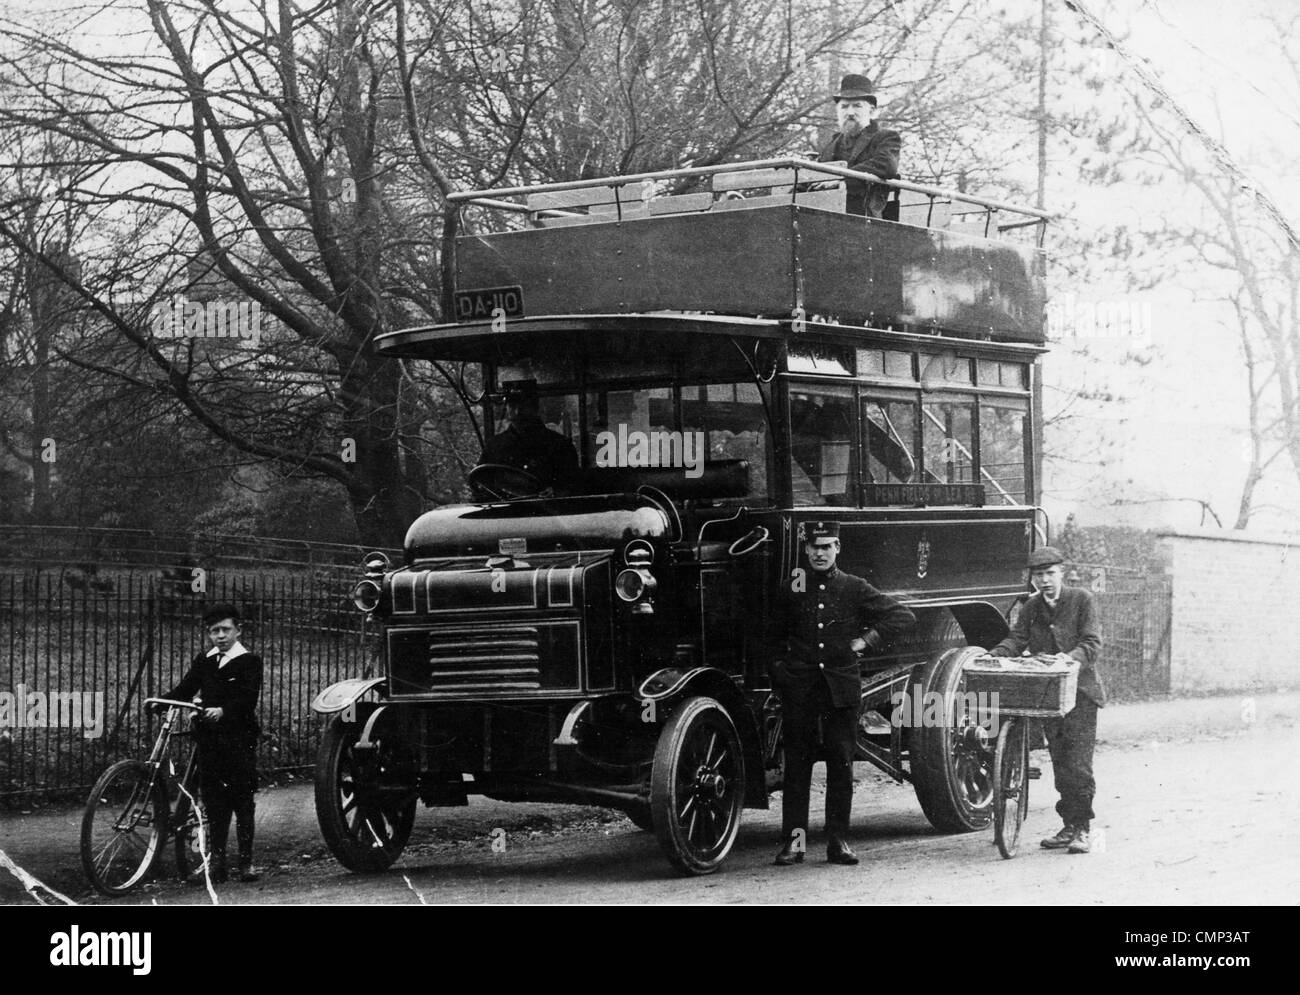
{"x":948,"y":442}
{"x":734,"y":423}
{"x":1002,"y":449}
{"x":821,"y":445}
{"x":889,"y":434}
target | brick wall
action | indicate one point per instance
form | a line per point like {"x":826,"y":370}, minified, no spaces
{"x":1236,"y":603}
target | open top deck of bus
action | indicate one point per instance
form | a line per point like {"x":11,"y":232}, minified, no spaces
{"x":766,"y":241}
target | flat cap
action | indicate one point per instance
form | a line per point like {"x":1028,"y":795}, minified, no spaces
{"x":219,"y":613}
{"x":1045,"y":556}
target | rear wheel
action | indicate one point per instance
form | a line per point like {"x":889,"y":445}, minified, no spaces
{"x":192,"y":840}
{"x":952,"y":759}
{"x":697,"y":786}
{"x":365,"y":794}
{"x":124,"y":826}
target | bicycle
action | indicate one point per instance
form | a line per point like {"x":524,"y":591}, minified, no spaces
{"x":1025,"y":689}
{"x":129,"y":818}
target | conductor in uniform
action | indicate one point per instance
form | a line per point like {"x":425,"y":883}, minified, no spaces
{"x":227,"y":680}
{"x":825,"y":620}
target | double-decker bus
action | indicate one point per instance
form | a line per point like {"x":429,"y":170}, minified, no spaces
{"x":731,"y":356}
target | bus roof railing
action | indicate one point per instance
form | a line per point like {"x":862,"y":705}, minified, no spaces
{"x":490,"y":198}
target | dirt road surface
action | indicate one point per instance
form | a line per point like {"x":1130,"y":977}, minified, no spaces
{"x":1191,"y":812}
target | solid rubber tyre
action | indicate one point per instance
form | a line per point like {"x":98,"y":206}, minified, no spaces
{"x":365,"y":825}
{"x":951,"y":766}
{"x":697,"y":786}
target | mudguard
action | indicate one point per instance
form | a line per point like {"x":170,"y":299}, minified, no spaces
{"x":673,"y":683}
{"x":339,"y":696}
{"x":981,"y":623}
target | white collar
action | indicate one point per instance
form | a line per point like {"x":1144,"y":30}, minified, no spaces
{"x":236,"y":650}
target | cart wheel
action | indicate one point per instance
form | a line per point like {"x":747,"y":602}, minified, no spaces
{"x":951,"y":764}
{"x":192,"y":837}
{"x":365,"y":799}
{"x":1011,"y":785}
{"x":697,"y":786}
{"x":123,"y":827}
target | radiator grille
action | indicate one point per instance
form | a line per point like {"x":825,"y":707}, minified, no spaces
{"x":487,"y":658}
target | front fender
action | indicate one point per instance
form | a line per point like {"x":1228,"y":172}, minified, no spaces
{"x":672,"y":685}
{"x":339,"y":696}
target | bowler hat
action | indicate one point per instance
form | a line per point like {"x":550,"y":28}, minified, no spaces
{"x":855,"y":87}
{"x":1045,"y":556}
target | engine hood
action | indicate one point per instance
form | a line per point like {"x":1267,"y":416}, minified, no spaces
{"x":541,"y":525}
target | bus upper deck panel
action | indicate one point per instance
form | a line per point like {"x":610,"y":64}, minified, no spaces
{"x":766,"y":239}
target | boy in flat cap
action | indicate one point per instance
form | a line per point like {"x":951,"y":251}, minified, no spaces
{"x":863,"y":144}
{"x":824,"y":622}
{"x":227,"y":679}
{"x":1062,"y":621}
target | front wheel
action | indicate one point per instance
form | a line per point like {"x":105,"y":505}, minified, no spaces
{"x":123,"y":827}
{"x":365,"y":794}
{"x":697,"y":786}
{"x":1011,"y":785}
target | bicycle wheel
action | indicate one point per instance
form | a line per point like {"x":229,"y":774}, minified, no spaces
{"x":123,"y":827}
{"x":191,"y":840}
{"x":1010,"y":785}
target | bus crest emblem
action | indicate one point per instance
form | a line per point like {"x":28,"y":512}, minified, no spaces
{"x":923,"y":557}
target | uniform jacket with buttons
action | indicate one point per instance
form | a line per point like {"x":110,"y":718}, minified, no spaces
{"x":1071,"y":628}
{"x":813,"y":629}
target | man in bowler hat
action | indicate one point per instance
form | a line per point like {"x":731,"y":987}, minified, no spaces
{"x":227,"y":680}
{"x":863,"y":144}
{"x":825,"y":620}
{"x":1061,"y":621}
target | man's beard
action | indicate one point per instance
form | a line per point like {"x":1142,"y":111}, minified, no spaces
{"x":852,"y":127}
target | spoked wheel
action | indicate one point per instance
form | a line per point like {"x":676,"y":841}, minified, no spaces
{"x":1011,"y":785}
{"x":952,"y":760}
{"x":365,"y":794}
{"x":697,"y":786}
{"x":124,"y":825}
{"x":192,"y":839}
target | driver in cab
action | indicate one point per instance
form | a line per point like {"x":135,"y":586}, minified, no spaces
{"x":527,"y":444}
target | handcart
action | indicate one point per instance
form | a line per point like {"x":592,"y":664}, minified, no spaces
{"x":1021,"y":688}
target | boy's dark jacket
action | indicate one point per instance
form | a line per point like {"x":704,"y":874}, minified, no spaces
{"x":1073,"y":628}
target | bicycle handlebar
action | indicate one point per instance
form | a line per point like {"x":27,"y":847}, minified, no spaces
{"x":173,"y":702}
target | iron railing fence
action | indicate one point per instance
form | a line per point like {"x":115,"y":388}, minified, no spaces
{"x":88,"y":632}
{"x":1135,"y":608}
